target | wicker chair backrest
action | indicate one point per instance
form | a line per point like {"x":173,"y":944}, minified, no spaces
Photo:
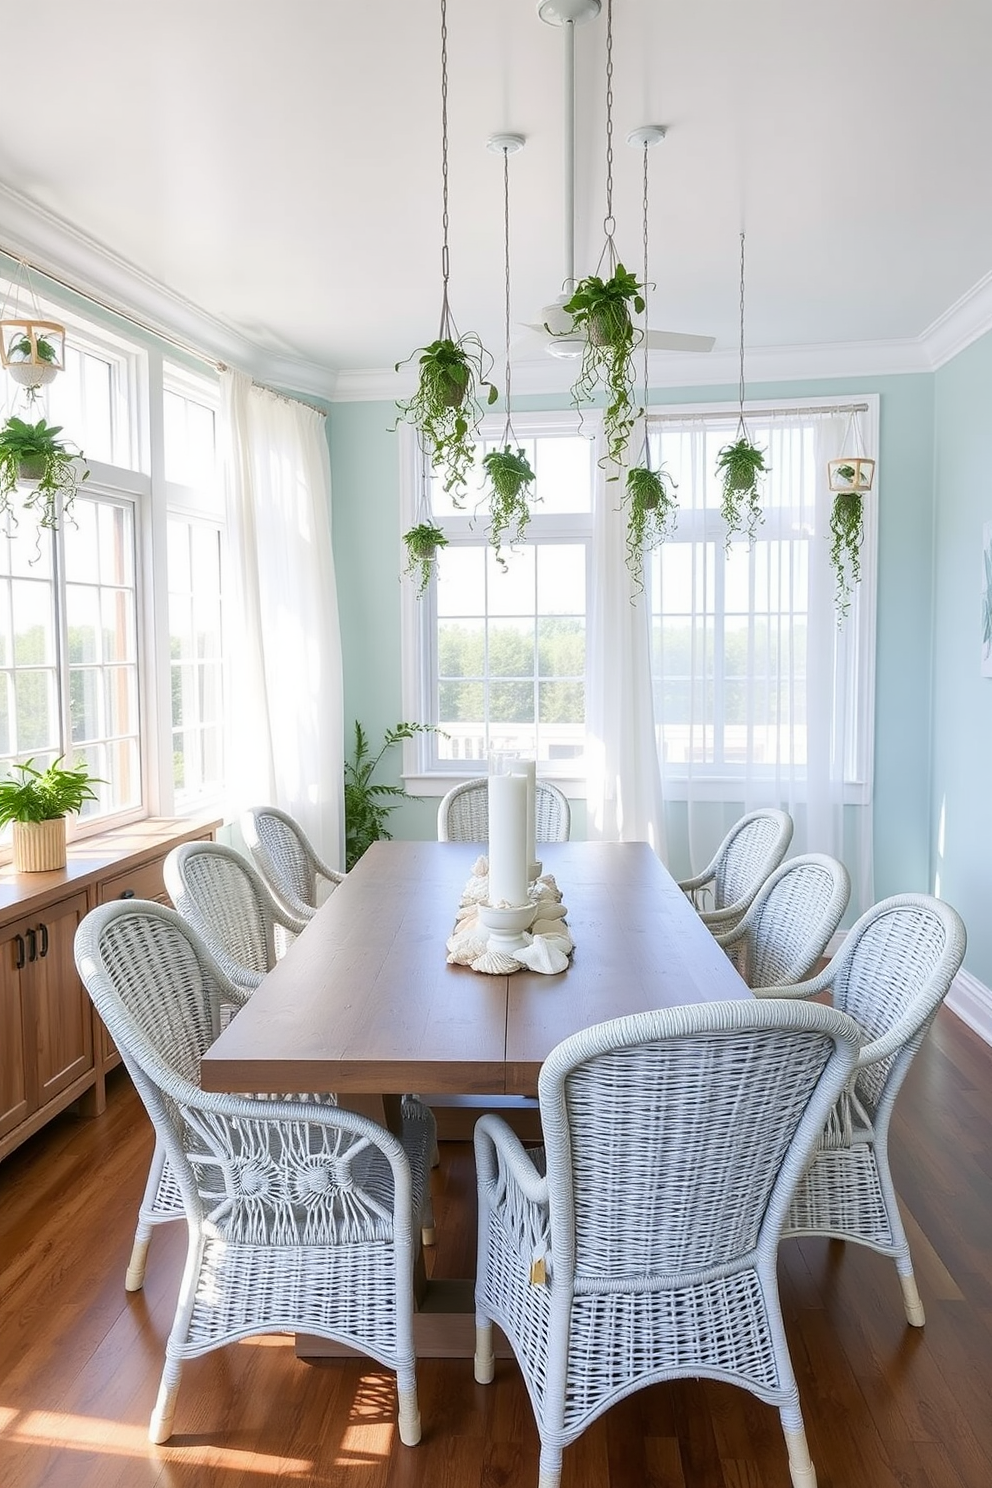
{"x":789,"y":924}
{"x":674,"y":1139}
{"x":750,"y":852}
{"x":282,"y":854}
{"x":463,"y":815}
{"x":220,"y":894}
{"x":892,"y":973}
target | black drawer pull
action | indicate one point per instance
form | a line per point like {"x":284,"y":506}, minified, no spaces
{"x":43,"y":929}
{"x":127,"y":893}
{"x":32,"y":941}
{"x":19,"y":942}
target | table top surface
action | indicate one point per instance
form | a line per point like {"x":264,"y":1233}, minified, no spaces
{"x":364,"y":1000}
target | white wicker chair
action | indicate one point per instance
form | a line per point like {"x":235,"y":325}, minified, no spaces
{"x":640,"y":1243}
{"x":284,"y":856}
{"x":891,"y":975}
{"x":751,"y":850}
{"x":463,"y":815}
{"x":221,"y":895}
{"x":300,"y":1216}
{"x":789,"y":924}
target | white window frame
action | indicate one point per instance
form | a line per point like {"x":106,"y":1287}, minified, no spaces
{"x":708,"y":785}
{"x":418,"y":617}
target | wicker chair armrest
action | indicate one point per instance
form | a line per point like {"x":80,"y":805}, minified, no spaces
{"x":699,"y":881}
{"x":729,"y":938}
{"x":499,"y":1152}
{"x":797,"y":991}
{"x":727,"y":917}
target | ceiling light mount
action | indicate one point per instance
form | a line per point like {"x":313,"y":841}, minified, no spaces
{"x":648,"y":134}
{"x":560,"y":12}
{"x":508,"y":143}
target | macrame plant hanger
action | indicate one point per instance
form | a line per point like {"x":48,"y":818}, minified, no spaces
{"x":508,"y":471}
{"x":32,"y":349}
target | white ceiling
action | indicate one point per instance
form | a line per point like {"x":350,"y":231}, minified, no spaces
{"x":277,"y":165}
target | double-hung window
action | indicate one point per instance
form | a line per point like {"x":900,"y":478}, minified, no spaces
{"x":496,"y":647}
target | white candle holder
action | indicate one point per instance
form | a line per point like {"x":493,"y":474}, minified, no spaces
{"x":506,"y":926}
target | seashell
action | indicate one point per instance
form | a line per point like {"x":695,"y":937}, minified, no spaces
{"x":549,"y":910}
{"x":551,"y":887}
{"x":480,"y":868}
{"x":475,"y":891}
{"x":464,"y":949}
{"x":541,"y":955}
{"x":495,"y":963}
{"x":557,"y":932}
{"x":466,"y":912}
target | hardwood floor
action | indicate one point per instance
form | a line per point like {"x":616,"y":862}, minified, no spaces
{"x":886,"y":1406}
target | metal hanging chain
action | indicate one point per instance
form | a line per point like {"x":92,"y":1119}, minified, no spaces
{"x":446,"y":328}
{"x":506,"y":284}
{"x":644,"y":203}
{"x":609,"y":252}
{"x":741,"y":424}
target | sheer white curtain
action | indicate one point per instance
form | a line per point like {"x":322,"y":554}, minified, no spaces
{"x":286,"y":693}
{"x":624,"y":802}
{"x":762,"y":698}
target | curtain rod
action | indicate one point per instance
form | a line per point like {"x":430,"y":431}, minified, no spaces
{"x":757,"y":413}
{"x":126,"y":315}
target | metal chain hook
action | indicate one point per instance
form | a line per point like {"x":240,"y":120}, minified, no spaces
{"x":741,"y":384}
{"x":609,"y":221}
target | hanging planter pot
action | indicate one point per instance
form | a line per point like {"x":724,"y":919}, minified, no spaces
{"x":33,"y":351}
{"x":422,"y":545}
{"x":851,"y":473}
{"x":601,"y":308}
{"x":510,"y":480}
{"x":651,"y":508}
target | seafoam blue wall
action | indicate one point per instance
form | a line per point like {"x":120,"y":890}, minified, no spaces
{"x":365,"y":475}
{"x":961,"y":809}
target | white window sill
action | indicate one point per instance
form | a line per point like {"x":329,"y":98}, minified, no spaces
{"x":439,"y":785}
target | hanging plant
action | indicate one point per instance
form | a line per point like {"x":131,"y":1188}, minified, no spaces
{"x":603,"y":307}
{"x":445,"y":410}
{"x":510,"y":479}
{"x":740,"y":466}
{"x":422,"y":544}
{"x":33,"y":454}
{"x":454,"y":369}
{"x":847,"y":532}
{"x":651,"y":508}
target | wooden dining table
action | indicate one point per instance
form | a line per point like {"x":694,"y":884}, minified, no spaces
{"x":364,"y":1002}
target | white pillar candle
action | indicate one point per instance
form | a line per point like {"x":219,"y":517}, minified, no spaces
{"x":528,"y":768}
{"x":508,"y":860}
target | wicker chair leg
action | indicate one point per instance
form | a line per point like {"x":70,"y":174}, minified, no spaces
{"x":485,"y":1359}
{"x":409,"y":1411}
{"x":549,"y":1475}
{"x":160,"y":1425}
{"x":915,"y":1315}
{"x":134,"y":1278}
{"x":800,"y":1465}
{"x":428,"y":1234}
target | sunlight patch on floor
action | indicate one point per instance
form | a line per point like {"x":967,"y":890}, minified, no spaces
{"x":115,"y":1439}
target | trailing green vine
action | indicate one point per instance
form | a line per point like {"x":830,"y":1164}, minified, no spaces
{"x":740,"y":467}
{"x":651,"y":508}
{"x":422,"y":544}
{"x":445,"y":408}
{"x":510,"y":480}
{"x":847,"y":530}
{"x":602,"y":307}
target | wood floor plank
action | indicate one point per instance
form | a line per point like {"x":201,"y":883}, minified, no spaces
{"x":885,"y":1406}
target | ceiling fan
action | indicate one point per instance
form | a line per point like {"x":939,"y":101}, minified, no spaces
{"x":554,"y":330}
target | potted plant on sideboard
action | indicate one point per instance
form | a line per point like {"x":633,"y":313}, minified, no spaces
{"x":37,"y":802}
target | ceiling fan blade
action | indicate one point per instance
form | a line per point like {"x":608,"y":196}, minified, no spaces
{"x":676,"y":341}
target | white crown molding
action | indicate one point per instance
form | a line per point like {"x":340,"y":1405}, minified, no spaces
{"x":971,"y":1000}
{"x":966,"y":320}
{"x":72,"y":258}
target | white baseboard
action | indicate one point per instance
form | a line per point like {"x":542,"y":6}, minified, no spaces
{"x":971,"y":1000}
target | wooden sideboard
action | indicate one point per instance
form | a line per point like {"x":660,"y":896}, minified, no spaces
{"x":53,"y":1047}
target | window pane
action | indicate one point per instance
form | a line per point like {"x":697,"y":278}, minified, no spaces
{"x":195,"y":647}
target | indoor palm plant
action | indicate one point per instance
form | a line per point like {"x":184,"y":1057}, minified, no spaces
{"x":36,"y":802}
{"x":422,"y":544}
{"x":602,"y":309}
{"x":367,"y":802}
{"x":34,"y":454}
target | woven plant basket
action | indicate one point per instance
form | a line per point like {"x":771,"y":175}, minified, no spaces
{"x":39,"y":846}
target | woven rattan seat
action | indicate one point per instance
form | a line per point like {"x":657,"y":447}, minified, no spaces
{"x":463,"y":815}
{"x":789,"y":924}
{"x":891,"y":975}
{"x":751,"y":850}
{"x":285,"y":857}
{"x":300,"y":1216}
{"x":639,"y":1244}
